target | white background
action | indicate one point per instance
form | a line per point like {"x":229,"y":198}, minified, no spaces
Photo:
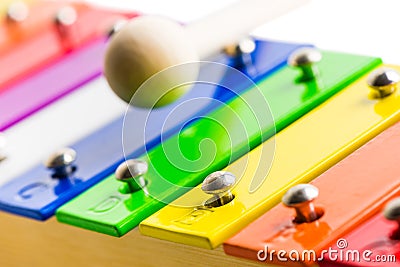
{"x":355,"y":26}
{"x":369,"y":27}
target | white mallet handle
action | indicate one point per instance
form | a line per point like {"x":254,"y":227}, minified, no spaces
{"x":227,"y":26}
{"x":148,"y":45}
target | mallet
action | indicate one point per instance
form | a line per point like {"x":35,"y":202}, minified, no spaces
{"x":150,"y":44}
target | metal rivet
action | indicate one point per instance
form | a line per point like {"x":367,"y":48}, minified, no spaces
{"x":17,"y":12}
{"x":61,"y":162}
{"x":66,"y":16}
{"x":117,"y":26}
{"x":219,"y":184}
{"x":392,"y":213}
{"x":306,"y":58}
{"x":384,"y":81}
{"x":301,"y":197}
{"x":245,"y":46}
{"x":392,"y":210}
{"x":132,"y":172}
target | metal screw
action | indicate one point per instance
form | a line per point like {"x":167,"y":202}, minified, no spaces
{"x":219,"y":184}
{"x":245,"y":46}
{"x":301,"y":197}
{"x":392,"y":213}
{"x":306,"y":58}
{"x":66,"y":16}
{"x":61,"y":162}
{"x":384,"y":81}
{"x":132,"y":172}
{"x":118,"y":25}
{"x":17,"y":12}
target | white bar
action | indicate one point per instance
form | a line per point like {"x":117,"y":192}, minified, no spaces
{"x":60,"y":124}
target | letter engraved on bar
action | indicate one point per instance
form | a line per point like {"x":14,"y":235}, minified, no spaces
{"x":194,"y":216}
{"x":30,"y":190}
{"x":106,"y":205}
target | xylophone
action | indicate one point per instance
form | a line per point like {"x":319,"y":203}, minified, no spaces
{"x":225,"y":161}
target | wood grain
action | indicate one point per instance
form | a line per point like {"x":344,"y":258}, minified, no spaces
{"x":25,"y":242}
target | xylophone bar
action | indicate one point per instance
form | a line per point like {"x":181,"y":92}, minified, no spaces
{"x":304,"y":150}
{"x":370,"y":176}
{"x":35,"y":193}
{"x":373,"y":243}
{"x":62,"y":77}
{"x":68,"y":124}
{"x":20,"y":42}
{"x":235,"y":128}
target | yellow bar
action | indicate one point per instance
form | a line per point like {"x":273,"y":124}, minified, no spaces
{"x":303,"y":151}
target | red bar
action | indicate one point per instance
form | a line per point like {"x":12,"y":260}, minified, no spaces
{"x":373,"y":244}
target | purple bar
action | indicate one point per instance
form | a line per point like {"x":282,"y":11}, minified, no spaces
{"x":52,"y":83}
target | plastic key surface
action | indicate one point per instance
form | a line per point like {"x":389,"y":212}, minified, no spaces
{"x":21,"y":43}
{"x":39,"y":21}
{"x":229,"y":132}
{"x":52,"y":83}
{"x":64,"y":124}
{"x":373,"y":242}
{"x":349,"y":193}
{"x":51,"y":193}
{"x":304,"y":150}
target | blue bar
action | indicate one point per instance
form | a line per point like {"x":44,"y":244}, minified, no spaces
{"x":37,"y":195}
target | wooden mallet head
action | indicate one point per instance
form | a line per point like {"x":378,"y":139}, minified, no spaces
{"x":148,"y":45}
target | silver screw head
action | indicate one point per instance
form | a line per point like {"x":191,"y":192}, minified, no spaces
{"x":129,"y":169}
{"x":246,"y":45}
{"x":17,"y":11}
{"x":61,"y":158}
{"x":218,"y":182}
{"x":384,"y":80}
{"x":66,"y":16}
{"x":300,"y":194}
{"x":304,"y":57}
{"x":392,"y":210}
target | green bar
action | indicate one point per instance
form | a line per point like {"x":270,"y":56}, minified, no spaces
{"x":211,"y":143}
